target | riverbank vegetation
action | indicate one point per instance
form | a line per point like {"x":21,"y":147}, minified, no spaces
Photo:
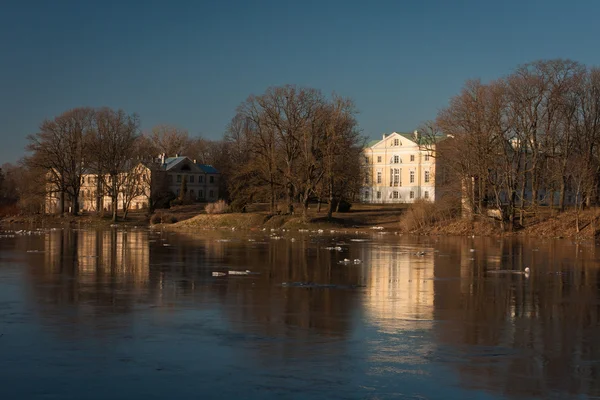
{"x":524,"y":143}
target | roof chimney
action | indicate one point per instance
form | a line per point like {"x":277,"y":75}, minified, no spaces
{"x":195,"y":161}
{"x":383,"y":136}
{"x":416,"y":135}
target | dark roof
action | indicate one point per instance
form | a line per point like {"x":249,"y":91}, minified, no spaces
{"x":208,"y":169}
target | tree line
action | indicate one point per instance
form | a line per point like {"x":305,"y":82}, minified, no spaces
{"x":294,"y":144}
{"x":527,"y":139}
{"x":289,"y":143}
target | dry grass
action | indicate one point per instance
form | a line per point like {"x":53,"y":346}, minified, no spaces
{"x":565,"y":224}
{"x":218,"y":207}
{"x":423,"y":215}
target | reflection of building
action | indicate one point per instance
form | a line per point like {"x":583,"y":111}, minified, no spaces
{"x":400,"y":288}
{"x":119,"y":256}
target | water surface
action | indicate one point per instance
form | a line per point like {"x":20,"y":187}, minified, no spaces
{"x":137,"y":314}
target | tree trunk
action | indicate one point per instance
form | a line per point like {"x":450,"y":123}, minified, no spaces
{"x":61,"y":202}
{"x":115,"y":197}
{"x":305,"y":206}
{"x":561,"y":196}
{"x":75,"y":208}
{"x":290,"y":199}
{"x":534,"y":189}
{"x":522,"y":207}
{"x":272,"y":188}
{"x":331,"y":205}
{"x":319,"y":205}
{"x":98,"y":195}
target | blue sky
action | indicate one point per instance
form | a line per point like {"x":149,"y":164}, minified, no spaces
{"x":191,"y":63}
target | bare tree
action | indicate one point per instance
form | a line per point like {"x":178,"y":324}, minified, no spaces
{"x":112,"y":147}
{"x":60,"y":148}
{"x":292,"y":138}
{"x":169,"y":140}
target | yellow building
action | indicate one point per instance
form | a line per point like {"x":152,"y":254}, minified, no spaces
{"x":398,"y":169}
{"x":136,"y":185}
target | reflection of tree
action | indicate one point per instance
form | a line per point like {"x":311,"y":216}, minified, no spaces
{"x":520,"y":336}
{"x":260,"y":305}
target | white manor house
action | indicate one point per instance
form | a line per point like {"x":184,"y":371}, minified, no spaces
{"x":398,"y":169}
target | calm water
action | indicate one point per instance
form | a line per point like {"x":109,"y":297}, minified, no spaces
{"x":137,"y":314}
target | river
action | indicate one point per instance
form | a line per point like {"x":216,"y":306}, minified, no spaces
{"x":137,"y":314}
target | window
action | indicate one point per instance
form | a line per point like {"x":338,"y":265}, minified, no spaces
{"x":379,"y":195}
{"x":367,"y":179}
{"x":412,"y":157}
{"x":378,"y":158}
{"x":212,"y":179}
{"x":379,"y":177}
{"x":210,"y":194}
{"x":200,"y":194}
{"x":367,"y":160}
{"x":394,"y":177}
{"x":395,"y":194}
{"x":396,"y":142}
{"x":192,"y":193}
{"x":396,"y":159}
{"x":412,"y":176}
{"x":426,"y":194}
{"x":426,"y":176}
{"x":426,"y":157}
{"x":178,"y":178}
{"x":191,"y":178}
{"x":412,"y":194}
{"x":366,"y":195}
{"x":200,"y":179}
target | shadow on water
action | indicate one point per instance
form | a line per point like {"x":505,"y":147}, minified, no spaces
{"x":415,"y":316}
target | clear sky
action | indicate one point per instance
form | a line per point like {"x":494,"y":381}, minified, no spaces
{"x":191,"y":63}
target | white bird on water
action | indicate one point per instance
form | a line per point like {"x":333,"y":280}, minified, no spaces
{"x":525,"y":272}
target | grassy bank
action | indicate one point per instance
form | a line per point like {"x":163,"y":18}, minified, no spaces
{"x":360,"y":217}
{"x":544,"y":223}
{"x":84,"y":220}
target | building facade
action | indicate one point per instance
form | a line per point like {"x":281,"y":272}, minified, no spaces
{"x":201,"y":180}
{"x":398,"y":169}
{"x":139,"y":185}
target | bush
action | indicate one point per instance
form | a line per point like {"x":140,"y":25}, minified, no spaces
{"x":163,"y":200}
{"x":423,"y":213}
{"x":344,"y":206}
{"x":156,"y":218}
{"x":163,"y":218}
{"x":218,"y":207}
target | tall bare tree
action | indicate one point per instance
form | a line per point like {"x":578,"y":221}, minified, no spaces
{"x":169,"y":140}
{"x":112,"y":147}
{"x":60,"y":148}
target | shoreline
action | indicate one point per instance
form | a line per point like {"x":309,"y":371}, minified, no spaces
{"x":560,"y":225}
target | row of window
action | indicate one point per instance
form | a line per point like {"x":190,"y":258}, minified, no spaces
{"x":191,"y":179}
{"x":397,"y":160}
{"x":396,"y":195}
{"x":395,"y":177}
{"x":211,"y":193}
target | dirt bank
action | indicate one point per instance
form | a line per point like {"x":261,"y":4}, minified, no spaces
{"x":544,"y":224}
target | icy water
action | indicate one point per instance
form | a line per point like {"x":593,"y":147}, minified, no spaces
{"x":137,"y":314}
